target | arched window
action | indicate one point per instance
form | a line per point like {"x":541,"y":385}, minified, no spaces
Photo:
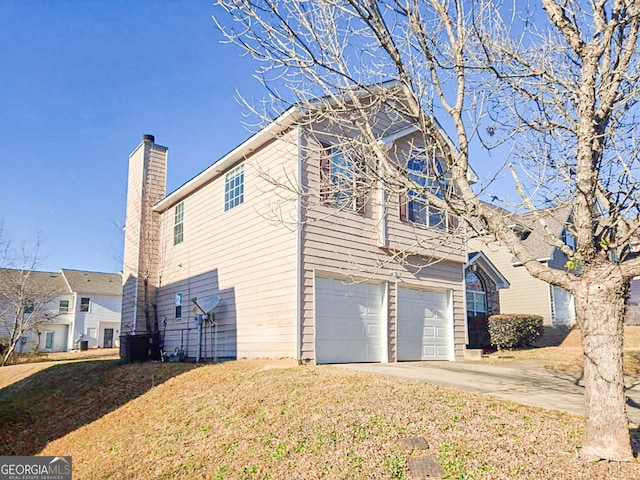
{"x":476,"y":295}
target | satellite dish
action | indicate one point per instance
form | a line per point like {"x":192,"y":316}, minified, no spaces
{"x":206,"y":304}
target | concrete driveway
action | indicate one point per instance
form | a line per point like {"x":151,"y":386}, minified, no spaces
{"x":520,"y":381}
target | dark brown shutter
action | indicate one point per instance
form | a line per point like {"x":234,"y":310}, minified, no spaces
{"x":402,"y":201}
{"x":452,"y":222}
{"x":325,"y":173}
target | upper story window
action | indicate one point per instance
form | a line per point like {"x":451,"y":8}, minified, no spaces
{"x":427,"y":176}
{"x":178,"y":224}
{"x":234,"y":188}
{"x":569,"y":239}
{"x":339,"y":177}
{"x":85,"y":304}
{"x":63,"y":306}
{"x":178,"y":304}
{"x":28,"y":307}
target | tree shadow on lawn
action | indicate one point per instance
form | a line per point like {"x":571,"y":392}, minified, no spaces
{"x":53,"y":402}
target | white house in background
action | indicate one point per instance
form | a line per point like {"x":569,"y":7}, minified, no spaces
{"x":330,"y":277}
{"x":96,"y":305}
{"x":88,"y":308}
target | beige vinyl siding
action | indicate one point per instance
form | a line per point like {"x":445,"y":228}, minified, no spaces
{"x":246,"y":255}
{"x":525,"y":294}
{"x":132,"y":240}
{"x":344,"y":244}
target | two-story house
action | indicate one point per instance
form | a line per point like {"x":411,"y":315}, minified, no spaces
{"x":293,"y":260}
{"x":83,"y":306}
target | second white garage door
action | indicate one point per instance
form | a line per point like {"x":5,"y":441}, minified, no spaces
{"x":348,"y":321}
{"x":423,"y":325}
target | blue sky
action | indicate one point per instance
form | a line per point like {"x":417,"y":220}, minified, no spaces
{"x":80,"y":83}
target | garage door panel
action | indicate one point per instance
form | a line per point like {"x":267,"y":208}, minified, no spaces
{"x":422,"y":325}
{"x":348,"y":321}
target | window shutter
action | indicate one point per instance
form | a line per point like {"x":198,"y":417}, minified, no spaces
{"x":452,"y":222}
{"x":402,"y":201}
{"x":325,"y":173}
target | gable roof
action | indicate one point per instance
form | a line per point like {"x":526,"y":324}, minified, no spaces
{"x":95,"y":283}
{"x":283,"y":122}
{"x":480,"y":259}
{"x":538,"y":241}
{"x":45,"y":283}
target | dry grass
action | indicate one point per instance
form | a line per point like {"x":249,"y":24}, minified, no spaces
{"x":240,"y":420}
{"x":568,"y":355}
{"x":93,"y":353}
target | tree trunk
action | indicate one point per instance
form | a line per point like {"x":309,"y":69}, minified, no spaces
{"x":7,"y":354}
{"x":600,"y":311}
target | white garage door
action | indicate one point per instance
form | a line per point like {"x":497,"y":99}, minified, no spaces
{"x":423,"y":325}
{"x":348,"y":321}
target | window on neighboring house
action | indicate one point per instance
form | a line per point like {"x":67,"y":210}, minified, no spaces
{"x":234,"y":188}
{"x":476,"y":295}
{"x":63,"y":306}
{"x":427,"y":176}
{"x":85,"y":304}
{"x":48,"y":340}
{"x":178,"y":224}
{"x":569,"y":239}
{"x":339,"y":178}
{"x":178,"y":304}
{"x":28,"y":307}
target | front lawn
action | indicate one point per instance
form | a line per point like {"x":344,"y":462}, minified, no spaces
{"x":568,"y":355}
{"x":241,"y":420}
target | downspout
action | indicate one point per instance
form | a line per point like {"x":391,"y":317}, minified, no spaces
{"x":298,"y":355}
{"x":200,"y":322}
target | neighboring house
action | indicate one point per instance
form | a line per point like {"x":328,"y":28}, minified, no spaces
{"x":527,"y":294}
{"x":314,"y":277}
{"x":86,"y":307}
{"x":96,"y":307}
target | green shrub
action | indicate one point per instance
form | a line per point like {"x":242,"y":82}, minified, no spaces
{"x":514,"y":330}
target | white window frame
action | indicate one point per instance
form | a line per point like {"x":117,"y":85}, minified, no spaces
{"x":62,"y":309}
{"x":178,"y":223}
{"x":476,"y":297}
{"x":46,"y":335}
{"x":88,"y":306}
{"x":177,"y":301}
{"x":419,"y":211}
{"x":342,"y":177}
{"x":234,"y":188}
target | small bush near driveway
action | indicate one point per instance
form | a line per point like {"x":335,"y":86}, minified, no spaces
{"x":514,"y":330}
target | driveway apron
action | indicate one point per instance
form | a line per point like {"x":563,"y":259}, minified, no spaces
{"x":522,"y":382}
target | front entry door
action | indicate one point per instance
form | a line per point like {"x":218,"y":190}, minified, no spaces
{"x":108,"y":338}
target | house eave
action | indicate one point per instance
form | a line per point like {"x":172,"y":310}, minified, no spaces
{"x":541,"y":260}
{"x":283,"y":122}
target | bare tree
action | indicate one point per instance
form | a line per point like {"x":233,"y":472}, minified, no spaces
{"x":549,"y":88}
{"x":26,"y":297}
